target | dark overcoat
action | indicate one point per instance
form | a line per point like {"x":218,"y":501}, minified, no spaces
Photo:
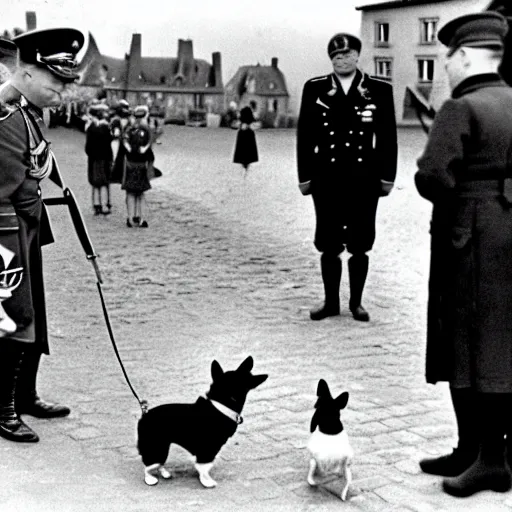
{"x":462,"y":171}
{"x":28,"y":228}
{"x":246,"y":148}
{"x":346,"y":146}
{"x":98,"y":147}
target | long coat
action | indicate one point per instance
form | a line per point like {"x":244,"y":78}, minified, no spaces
{"x":462,"y":171}
{"x":24,"y":224}
{"x":246,"y":148}
{"x":98,"y":147}
{"x":346,"y":147}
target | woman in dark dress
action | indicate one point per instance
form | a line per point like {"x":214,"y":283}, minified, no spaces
{"x":138,"y":166}
{"x":246,"y":150}
{"x":98,"y":140}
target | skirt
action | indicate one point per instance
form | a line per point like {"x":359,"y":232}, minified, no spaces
{"x":136,"y":177}
{"x":98,"y":172}
{"x":246,"y":151}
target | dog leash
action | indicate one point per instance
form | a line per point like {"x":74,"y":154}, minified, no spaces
{"x":143,"y":403}
{"x":69,"y":199}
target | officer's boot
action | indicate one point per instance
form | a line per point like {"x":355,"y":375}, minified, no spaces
{"x":331,"y":275}
{"x":357,"y":272}
{"x":455,"y":463}
{"x":27,"y":399}
{"x":11,"y":425}
{"x":490,"y":470}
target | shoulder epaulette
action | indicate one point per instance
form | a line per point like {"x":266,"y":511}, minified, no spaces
{"x":7,"y":110}
{"x":319,"y":78}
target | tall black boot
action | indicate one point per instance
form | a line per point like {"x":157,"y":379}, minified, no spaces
{"x":27,"y":399}
{"x":11,"y":426}
{"x":331,"y":275}
{"x":357,"y":272}
{"x":466,"y":452}
{"x":490,"y":470}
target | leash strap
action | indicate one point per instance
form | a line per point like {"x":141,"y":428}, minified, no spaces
{"x":143,"y":403}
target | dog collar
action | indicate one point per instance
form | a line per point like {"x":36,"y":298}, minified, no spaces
{"x":237,"y":418}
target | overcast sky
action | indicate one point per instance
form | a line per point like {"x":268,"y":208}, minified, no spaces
{"x":294,"y":31}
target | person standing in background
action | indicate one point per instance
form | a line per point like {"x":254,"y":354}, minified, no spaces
{"x":98,"y":147}
{"x":246,"y":149}
{"x":346,"y":159}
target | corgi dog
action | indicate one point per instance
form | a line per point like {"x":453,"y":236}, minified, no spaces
{"x":328,"y":444}
{"x":202,"y":427}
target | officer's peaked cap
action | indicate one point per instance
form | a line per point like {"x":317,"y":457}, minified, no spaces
{"x":7,"y":48}
{"x":483,"y":29}
{"x":343,"y":43}
{"x":54,"y":49}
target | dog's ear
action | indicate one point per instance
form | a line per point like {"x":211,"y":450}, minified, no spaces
{"x":323,"y":389}
{"x":314,"y":422}
{"x":246,"y":366}
{"x":217,"y":371}
{"x":341,"y":400}
{"x":256,"y":380}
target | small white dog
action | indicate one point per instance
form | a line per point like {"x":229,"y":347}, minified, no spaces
{"x":328,"y":445}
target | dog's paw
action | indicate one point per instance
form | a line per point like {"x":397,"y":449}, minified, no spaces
{"x":150,"y":479}
{"x":207,"y":481}
{"x":164,"y":473}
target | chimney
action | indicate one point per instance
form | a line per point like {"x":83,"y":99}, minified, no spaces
{"x":274,"y":62}
{"x":185,"y":59}
{"x":30,"y":17}
{"x":135,"y":61}
{"x":217,"y":69}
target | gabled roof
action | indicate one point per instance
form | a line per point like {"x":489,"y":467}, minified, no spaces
{"x":156,"y":73}
{"x":394,"y":4}
{"x":268,"y":81}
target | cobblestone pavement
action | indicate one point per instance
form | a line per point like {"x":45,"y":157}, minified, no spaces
{"x":227,"y":269}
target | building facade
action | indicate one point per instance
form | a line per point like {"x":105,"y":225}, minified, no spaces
{"x":400,"y":45}
{"x":180,"y":87}
{"x":262,"y":86}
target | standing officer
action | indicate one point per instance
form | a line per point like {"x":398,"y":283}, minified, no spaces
{"x":46,"y":62}
{"x":466,"y":172}
{"x":346,"y":157}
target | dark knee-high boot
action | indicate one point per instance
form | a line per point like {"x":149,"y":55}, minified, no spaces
{"x":466,"y":452}
{"x":27,"y":399}
{"x":331,"y":275}
{"x":490,"y":470}
{"x":11,"y":426}
{"x":357,"y":272}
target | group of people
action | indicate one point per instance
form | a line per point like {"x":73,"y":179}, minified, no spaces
{"x":133,"y":165}
{"x":347,"y":160}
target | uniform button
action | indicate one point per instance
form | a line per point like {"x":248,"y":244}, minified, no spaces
{"x":332,"y":146}
{"x":360,"y":147}
{"x":359,"y":159}
{"x":347,"y":143}
{"x":39,"y":192}
{"x":360,"y":133}
{"x":350,"y":132}
{"x":326,"y":124}
{"x":331,"y":133}
{"x":333,"y":159}
{"x":324,"y":114}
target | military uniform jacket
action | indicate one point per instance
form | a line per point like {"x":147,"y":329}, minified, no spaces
{"x":469,"y":329}
{"x":343,"y":136}
{"x":24,"y":224}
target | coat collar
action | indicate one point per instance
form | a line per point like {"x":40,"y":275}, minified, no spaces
{"x":476,"y":82}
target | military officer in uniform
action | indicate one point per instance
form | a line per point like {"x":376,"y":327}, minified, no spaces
{"x":46,"y":64}
{"x":466,"y":172}
{"x":346,"y":158}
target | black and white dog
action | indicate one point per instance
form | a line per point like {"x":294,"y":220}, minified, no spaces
{"x":202,"y":427}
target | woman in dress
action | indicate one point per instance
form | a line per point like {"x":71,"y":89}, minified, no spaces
{"x":246,"y":150}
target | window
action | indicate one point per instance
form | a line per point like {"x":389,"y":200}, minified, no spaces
{"x":428,"y":30}
{"x":381,"y":34}
{"x":383,"y":67}
{"x":198,"y":101}
{"x":425,"y":70}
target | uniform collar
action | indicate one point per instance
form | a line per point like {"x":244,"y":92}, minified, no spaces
{"x":475,"y":82}
{"x":11,"y":95}
{"x":335,"y":82}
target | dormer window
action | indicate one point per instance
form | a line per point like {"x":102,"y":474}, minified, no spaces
{"x":381,"y":34}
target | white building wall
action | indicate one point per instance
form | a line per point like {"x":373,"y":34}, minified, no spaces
{"x":405,"y":47}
